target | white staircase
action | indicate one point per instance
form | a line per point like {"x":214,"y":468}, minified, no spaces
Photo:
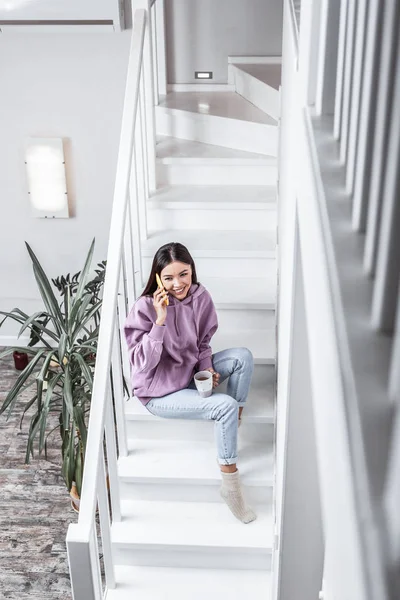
{"x":216,"y":177}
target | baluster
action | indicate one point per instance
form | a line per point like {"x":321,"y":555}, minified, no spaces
{"x":119,"y":395}
{"x":328,"y":56}
{"x":356,"y":87}
{"x":340,"y":69}
{"x":348,"y":73}
{"x":140,"y":174}
{"x":95,"y":560}
{"x":122,"y":314}
{"x":105,"y":523}
{"x":367,"y":121}
{"x":112,"y":461}
{"x":159,"y":13}
{"x":148,"y":105}
{"x":382,"y":126}
{"x":384,"y":301}
{"x":143,"y":127}
{"x":136,"y":220}
{"x":128,"y":255}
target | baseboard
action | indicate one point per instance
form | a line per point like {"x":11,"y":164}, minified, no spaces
{"x":200,"y":87}
{"x":23,"y":341}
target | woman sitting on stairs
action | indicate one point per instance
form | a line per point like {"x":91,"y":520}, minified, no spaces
{"x":168,"y":333}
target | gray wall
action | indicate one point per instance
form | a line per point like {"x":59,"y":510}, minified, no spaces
{"x":301,"y":546}
{"x":201,"y":34}
{"x":57,"y":85}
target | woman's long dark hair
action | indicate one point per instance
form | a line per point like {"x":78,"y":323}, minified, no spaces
{"x":165,"y":256}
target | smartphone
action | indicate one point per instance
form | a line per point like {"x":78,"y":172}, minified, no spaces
{"x":159,"y":283}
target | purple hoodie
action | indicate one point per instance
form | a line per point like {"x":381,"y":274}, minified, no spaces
{"x":165,"y":358}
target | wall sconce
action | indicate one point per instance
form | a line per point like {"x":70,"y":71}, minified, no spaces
{"x":45,"y":165}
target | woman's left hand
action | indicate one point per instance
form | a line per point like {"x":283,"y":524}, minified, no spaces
{"x":216,"y":376}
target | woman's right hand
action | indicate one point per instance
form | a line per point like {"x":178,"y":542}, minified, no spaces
{"x":159,"y":298}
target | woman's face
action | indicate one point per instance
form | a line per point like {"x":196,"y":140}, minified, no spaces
{"x":177,"y":279}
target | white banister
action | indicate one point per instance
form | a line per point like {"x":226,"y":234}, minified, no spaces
{"x":123,"y":283}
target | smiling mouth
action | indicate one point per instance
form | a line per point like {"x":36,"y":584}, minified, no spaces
{"x":180,"y":291}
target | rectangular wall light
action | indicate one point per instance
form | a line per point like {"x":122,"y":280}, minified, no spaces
{"x":203,"y":75}
{"x":45,"y":165}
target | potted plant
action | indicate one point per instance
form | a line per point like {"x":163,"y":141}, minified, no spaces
{"x":60,"y":370}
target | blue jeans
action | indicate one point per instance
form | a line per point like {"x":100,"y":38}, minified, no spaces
{"x":238,"y":365}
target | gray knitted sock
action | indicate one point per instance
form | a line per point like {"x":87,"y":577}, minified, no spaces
{"x":232,"y":493}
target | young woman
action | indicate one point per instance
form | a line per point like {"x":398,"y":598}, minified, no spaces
{"x":168,"y":332}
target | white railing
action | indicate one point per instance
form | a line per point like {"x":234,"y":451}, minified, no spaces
{"x":344,"y":204}
{"x":107,"y":440}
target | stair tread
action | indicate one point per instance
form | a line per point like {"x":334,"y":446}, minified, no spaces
{"x":213,"y":244}
{"x":211,"y":197}
{"x":268,"y":74}
{"x":242,"y":293}
{"x":217,"y":104}
{"x":170,"y":150}
{"x":260,"y":407}
{"x":164,"y":583}
{"x":172,"y":461}
{"x":190,"y":525}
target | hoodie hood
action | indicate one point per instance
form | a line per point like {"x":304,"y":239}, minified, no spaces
{"x":175,"y":305}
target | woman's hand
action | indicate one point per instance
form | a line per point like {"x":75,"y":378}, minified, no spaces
{"x":215,"y":375}
{"x":159,"y":298}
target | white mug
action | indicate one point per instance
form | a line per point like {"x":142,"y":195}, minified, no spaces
{"x":204,"y":383}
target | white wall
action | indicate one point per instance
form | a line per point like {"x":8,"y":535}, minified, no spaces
{"x":201,"y":34}
{"x":58,"y":85}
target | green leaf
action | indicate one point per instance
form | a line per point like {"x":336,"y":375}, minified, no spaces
{"x":33,"y":429}
{"x":62,"y":347}
{"x":32,"y":321}
{"x":85,"y":271}
{"x":45,"y":410}
{"x":9,"y":351}
{"x":81,"y":426}
{"x":71,"y":455}
{"x":46,"y":291}
{"x":86,"y":372}
{"x":89,"y":315}
{"x":26,"y":408}
{"x":78,"y":470}
{"x":13,"y":393}
{"x":67,"y":392}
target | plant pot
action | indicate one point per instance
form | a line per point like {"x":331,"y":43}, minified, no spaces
{"x":20,"y":360}
{"x":75,"y":500}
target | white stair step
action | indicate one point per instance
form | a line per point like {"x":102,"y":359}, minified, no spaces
{"x":187,"y":470}
{"x":188,"y":162}
{"x":228,"y":105}
{"x":257,"y":418}
{"x":191,"y":534}
{"x":259,"y":84}
{"x":216,"y":244}
{"x":208,"y":207}
{"x":246,"y":293}
{"x":163,"y":583}
{"x":174,"y":150}
{"x":260,"y":406}
{"x":230,"y":121}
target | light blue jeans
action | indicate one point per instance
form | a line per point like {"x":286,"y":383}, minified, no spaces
{"x":236,"y":364}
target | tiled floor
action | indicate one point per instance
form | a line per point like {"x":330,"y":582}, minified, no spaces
{"x":34,"y":511}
